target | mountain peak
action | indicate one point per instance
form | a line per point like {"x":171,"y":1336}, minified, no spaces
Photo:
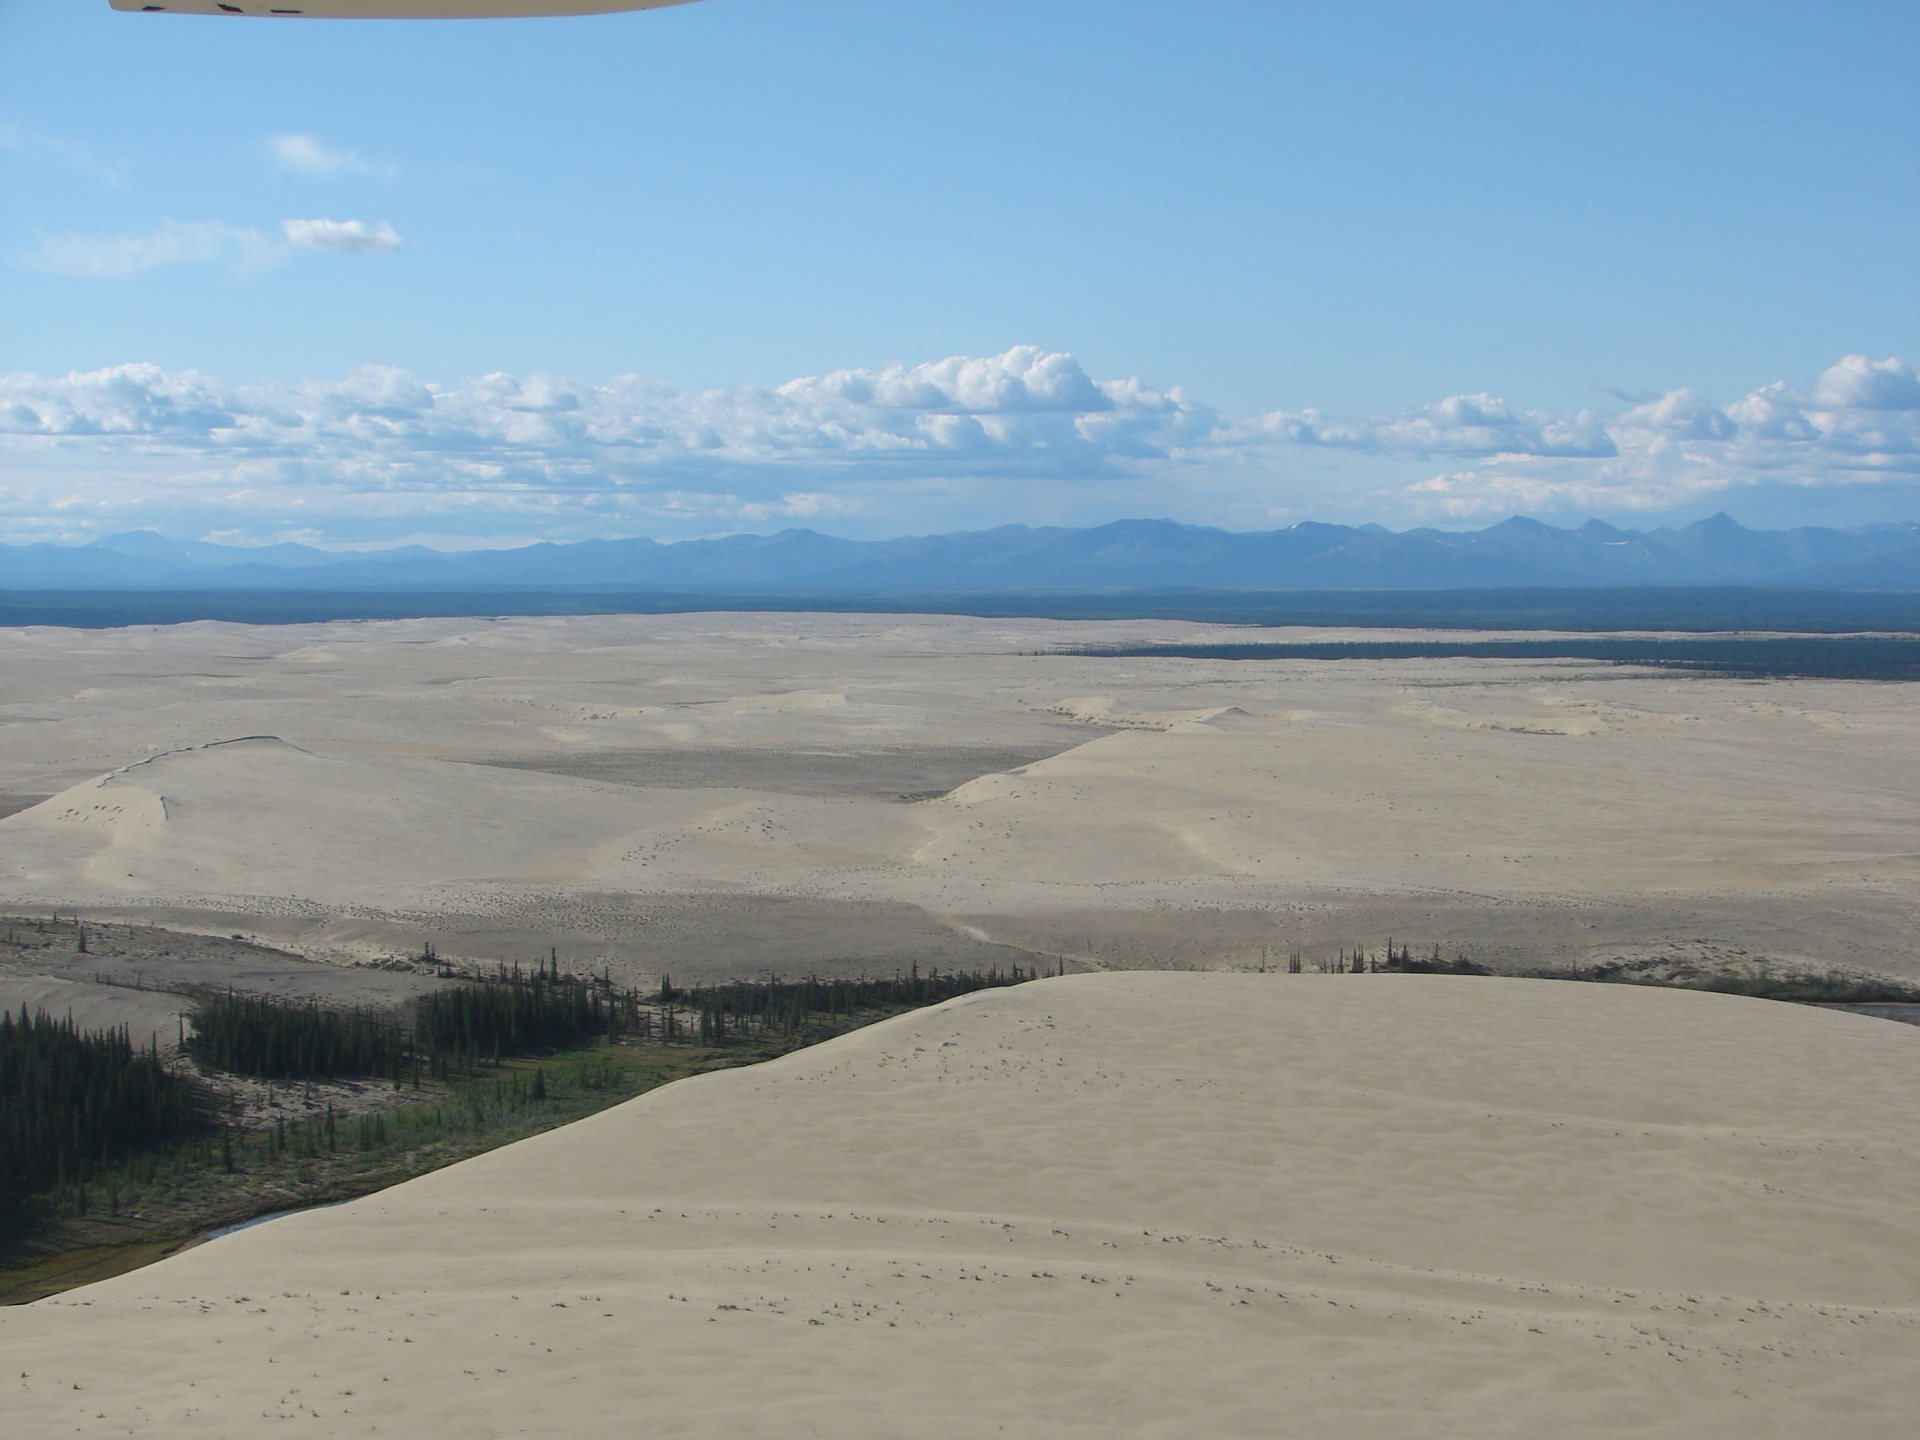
{"x":1720,"y":523}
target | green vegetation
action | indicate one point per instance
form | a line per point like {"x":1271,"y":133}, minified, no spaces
{"x":465,"y":1027}
{"x":78,"y":1106}
{"x":272,"y":1039}
{"x":1836,"y":657}
{"x":460,"y":1028}
{"x":461,"y":1071}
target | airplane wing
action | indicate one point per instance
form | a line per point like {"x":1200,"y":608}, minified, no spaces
{"x":388,"y":9}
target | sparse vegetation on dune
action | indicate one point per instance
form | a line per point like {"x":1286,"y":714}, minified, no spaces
{"x":1799,"y":985}
{"x":1807,"y":987}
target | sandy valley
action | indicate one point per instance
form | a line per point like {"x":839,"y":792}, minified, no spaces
{"x":714,"y":794}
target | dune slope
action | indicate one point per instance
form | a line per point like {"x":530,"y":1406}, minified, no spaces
{"x":1143,"y":1205}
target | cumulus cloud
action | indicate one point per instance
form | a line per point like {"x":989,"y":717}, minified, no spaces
{"x":1863,"y":384}
{"x":310,"y":156}
{"x":353,"y":237}
{"x":1857,"y":426}
{"x":1026,"y":380}
{"x":1026,"y":434}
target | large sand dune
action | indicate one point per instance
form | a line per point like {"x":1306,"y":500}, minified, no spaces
{"x":713,"y":794}
{"x":1140,"y":1205}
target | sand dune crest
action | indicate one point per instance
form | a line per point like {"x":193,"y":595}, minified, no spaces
{"x":1144,"y":1205}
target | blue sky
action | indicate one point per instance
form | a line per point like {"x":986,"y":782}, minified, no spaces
{"x":881,"y":267}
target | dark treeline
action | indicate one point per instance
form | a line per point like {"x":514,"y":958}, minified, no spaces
{"x":461,"y":1026}
{"x":1836,"y":657}
{"x":807,"y":1007}
{"x":516,"y":1012}
{"x":273,"y":1039}
{"x":1394,"y":960}
{"x":74,"y":1103}
{"x":464,"y":1027}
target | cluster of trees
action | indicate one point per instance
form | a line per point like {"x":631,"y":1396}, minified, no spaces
{"x":462,"y":1028}
{"x":1402,"y":961}
{"x":80,"y":1109}
{"x":1395,"y":959}
{"x":78,"y":1103}
{"x":273,"y":1039}
{"x":514,"y":1013}
{"x":811,"y":1007}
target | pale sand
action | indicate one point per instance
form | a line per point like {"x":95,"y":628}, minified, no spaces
{"x":149,"y":1017}
{"x":724,"y":794}
{"x":1139,"y":1205}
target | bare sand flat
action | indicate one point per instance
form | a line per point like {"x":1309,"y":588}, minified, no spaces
{"x":130,"y":975}
{"x":1139,"y":1205}
{"x":718,"y":794}
{"x":149,"y":1017}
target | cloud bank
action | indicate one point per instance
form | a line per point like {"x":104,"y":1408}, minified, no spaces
{"x":1024,"y":435}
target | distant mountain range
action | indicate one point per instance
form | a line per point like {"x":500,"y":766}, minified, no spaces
{"x":1128,"y":555}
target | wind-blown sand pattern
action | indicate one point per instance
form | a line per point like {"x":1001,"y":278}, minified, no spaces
{"x":1136,"y":1205}
{"x":704,"y":794}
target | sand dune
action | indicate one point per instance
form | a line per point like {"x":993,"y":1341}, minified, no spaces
{"x":574,"y":781}
{"x":1142,"y":1205}
{"x":260,"y":814}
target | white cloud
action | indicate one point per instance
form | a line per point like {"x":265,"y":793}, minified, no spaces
{"x":59,"y":152}
{"x":171,"y":242}
{"x":354,"y":237}
{"x":1679,"y":415}
{"x":1025,"y":379}
{"x":1027,"y":434}
{"x":1459,"y":425}
{"x":242,"y":248}
{"x":1859,"y":426}
{"x":1865,"y":384}
{"x":308,"y":155}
